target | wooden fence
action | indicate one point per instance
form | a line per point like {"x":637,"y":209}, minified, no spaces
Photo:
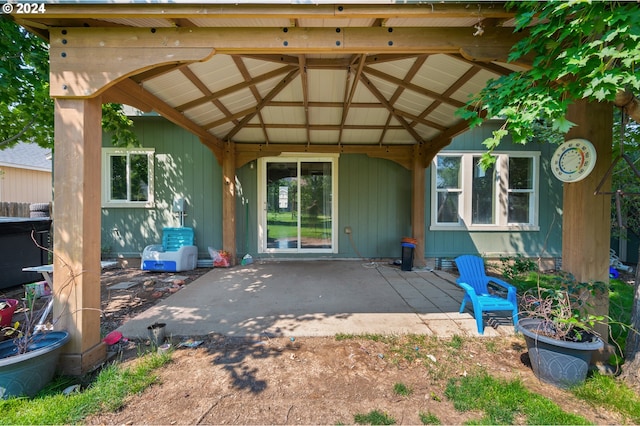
{"x":14,"y":209}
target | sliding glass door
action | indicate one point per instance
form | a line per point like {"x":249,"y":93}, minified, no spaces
{"x":298,"y":205}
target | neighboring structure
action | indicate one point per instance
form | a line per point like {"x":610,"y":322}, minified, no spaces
{"x":25,"y":174}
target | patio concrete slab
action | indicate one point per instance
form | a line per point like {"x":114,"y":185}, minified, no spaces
{"x":313,"y":298}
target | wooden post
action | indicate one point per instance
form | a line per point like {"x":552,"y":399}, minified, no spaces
{"x":417,"y":209}
{"x":586,"y":220}
{"x":229,"y":200}
{"x":76,"y":223}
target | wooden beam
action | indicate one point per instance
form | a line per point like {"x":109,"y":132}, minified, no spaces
{"x":302,"y":66}
{"x":272,"y":94}
{"x":586,"y":217}
{"x":413,"y":87}
{"x":349,"y":92}
{"x":76,"y":264}
{"x":324,"y":127}
{"x":104,"y":55}
{"x":236,"y":87}
{"x":401,"y":154}
{"x":290,"y":41}
{"x":374,"y":90}
{"x":246,"y":75}
{"x":229,"y":201}
{"x":171,"y":114}
{"x":193,"y":78}
{"x":265,"y":11}
{"x":449,"y":92}
{"x":418,"y":188}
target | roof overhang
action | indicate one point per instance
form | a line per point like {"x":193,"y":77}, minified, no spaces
{"x":379,"y":78}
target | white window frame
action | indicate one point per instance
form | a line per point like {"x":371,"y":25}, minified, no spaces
{"x":262,"y":199}
{"x":501,"y":188}
{"x":107,"y":153}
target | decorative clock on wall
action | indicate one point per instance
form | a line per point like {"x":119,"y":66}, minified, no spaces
{"x":573,"y":160}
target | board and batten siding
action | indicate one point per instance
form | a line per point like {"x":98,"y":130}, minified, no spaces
{"x":184,"y":168}
{"x":374,"y":200}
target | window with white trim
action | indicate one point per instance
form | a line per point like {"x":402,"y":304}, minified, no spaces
{"x":127,"y":177}
{"x":502,"y":197}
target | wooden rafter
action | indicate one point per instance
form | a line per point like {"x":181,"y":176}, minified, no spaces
{"x":246,"y":75}
{"x":410,"y":86}
{"x":374,"y":90}
{"x":447,"y":93}
{"x":134,"y":89}
{"x":351,"y":91}
{"x":407,"y":79}
{"x":273,"y":93}
{"x":235,"y":88}
{"x":305,"y":92}
{"x":205,"y":90}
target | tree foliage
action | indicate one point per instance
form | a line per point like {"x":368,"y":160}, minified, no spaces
{"x":578,"y":50}
{"x":26,"y":109}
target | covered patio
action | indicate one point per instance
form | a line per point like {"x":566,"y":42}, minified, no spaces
{"x":316,"y":298}
{"x":148,"y":55}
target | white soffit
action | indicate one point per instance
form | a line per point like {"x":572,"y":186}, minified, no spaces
{"x":325,"y":137}
{"x":238,"y":101}
{"x":251,"y":135}
{"x":431,"y":22}
{"x":397,"y":69}
{"x":205,"y":113}
{"x":361,"y":136}
{"x":325,"y":116}
{"x":444,"y":115}
{"x":326,"y":85}
{"x":217,"y":73}
{"x":173,"y":88}
{"x":412,"y":102}
{"x":337,"y":23}
{"x":474,"y":85}
{"x":240,"y":22}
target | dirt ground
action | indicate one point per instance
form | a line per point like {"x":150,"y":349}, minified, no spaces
{"x":305,"y":380}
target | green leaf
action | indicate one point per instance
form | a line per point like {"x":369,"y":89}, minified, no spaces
{"x":561,"y":124}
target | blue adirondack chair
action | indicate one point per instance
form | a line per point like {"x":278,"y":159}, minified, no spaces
{"x":474,"y":280}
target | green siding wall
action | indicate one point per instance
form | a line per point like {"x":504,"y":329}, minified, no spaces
{"x":183,"y":168}
{"x":547,"y":242}
{"x":374,"y":199}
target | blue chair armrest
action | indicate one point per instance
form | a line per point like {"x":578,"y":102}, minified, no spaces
{"x":501,"y":283}
{"x":469,"y":290}
{"x":511,"y":290}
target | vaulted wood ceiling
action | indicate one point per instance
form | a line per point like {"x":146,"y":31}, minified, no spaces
{"x":321,"y":77}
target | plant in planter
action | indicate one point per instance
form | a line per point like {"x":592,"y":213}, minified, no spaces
{"x":559,"y":331}
{"x":28,"y":360}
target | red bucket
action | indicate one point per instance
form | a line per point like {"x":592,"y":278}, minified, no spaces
{"x":6,"y":314}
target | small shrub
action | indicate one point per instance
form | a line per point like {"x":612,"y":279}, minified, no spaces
{"x":402,"y":389}
{"x":456,"y":342}
{"x":429,"y":418}
{"x":374,"y":417}
{"x":513,"y":267}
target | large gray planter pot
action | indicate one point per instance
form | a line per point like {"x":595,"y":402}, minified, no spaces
{"x":561,"y":363}
{"x":28,"y":373}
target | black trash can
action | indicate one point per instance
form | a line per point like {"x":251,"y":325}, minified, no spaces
{"x":407,"y":256}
